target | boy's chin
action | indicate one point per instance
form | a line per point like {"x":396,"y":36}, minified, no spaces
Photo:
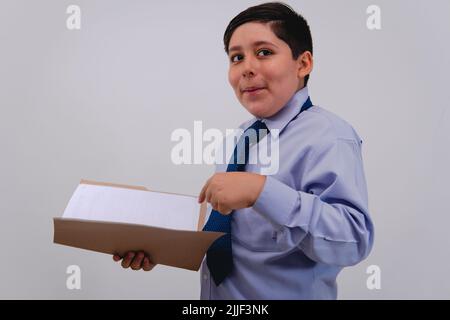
{"x":260,"y":111}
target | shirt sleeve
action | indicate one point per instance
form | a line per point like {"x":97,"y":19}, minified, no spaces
{"x":328,"y":217}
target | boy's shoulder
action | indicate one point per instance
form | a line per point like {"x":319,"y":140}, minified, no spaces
{"x":321,"y":122}
{"x":330,"y":124}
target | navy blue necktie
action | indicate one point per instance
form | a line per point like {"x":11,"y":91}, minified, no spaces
{"x":219,"y":255}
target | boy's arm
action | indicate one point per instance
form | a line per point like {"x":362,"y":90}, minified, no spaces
{"x":329,"y":221}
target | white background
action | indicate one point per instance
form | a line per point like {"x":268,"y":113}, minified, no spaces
{"x":100,"y":103}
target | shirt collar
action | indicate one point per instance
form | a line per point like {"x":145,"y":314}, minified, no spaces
{"x":282,"y":118}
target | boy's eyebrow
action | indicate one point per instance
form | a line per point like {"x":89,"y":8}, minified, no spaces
{"x":255,"y":44}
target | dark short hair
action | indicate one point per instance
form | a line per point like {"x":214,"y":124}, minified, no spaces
{"x":285,"y":23}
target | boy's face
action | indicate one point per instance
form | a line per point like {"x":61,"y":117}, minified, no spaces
{"x":262,"y":72}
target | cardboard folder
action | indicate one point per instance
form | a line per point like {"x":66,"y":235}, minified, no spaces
{"x":114,"y":219}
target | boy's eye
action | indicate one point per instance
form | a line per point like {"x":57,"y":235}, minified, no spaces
{"x":264,"y":52}
{"x":261,"y":53}
{"x":236,"y":58}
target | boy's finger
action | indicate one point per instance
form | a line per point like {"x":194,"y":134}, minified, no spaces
{"x":215,"y":204}
{"x":223,"y":209}
{"x":209,"y":195}
{"x":147,"y":265}
{"x":127,"y":260}
{"x":137,"y":261}
{"x":201,"y":197}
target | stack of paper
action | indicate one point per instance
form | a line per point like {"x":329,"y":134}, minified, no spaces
{"x":115,"y":219}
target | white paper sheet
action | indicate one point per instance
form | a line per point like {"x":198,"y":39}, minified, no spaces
{"x":114,"y":204}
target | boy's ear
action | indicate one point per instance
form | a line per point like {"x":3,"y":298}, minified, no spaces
{"x":305,"y":64}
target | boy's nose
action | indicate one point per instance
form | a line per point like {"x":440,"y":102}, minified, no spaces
{"x":250,"y":67}
{"x":248,"y":74}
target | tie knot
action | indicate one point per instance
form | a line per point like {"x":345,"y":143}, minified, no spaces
{"x":252,"y":135}
{"x":258,"y":125}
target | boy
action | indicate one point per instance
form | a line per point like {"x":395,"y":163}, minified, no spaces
{"x":288,"y":234}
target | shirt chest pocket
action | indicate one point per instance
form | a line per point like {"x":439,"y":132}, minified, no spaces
{"x":253,"y":231}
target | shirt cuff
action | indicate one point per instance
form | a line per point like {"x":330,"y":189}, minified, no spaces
{"x":276,"y":202}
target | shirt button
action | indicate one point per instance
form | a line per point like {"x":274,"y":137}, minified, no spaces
{"x":205,"y":277}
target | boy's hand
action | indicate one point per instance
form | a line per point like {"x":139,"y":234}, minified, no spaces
{"x":228,"y":191}
{"x":135,"y":260}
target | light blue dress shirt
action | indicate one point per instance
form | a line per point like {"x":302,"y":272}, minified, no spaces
{"x":311,"y":218}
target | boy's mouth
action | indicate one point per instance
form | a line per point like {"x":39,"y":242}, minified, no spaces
{"x":252,"y":89}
